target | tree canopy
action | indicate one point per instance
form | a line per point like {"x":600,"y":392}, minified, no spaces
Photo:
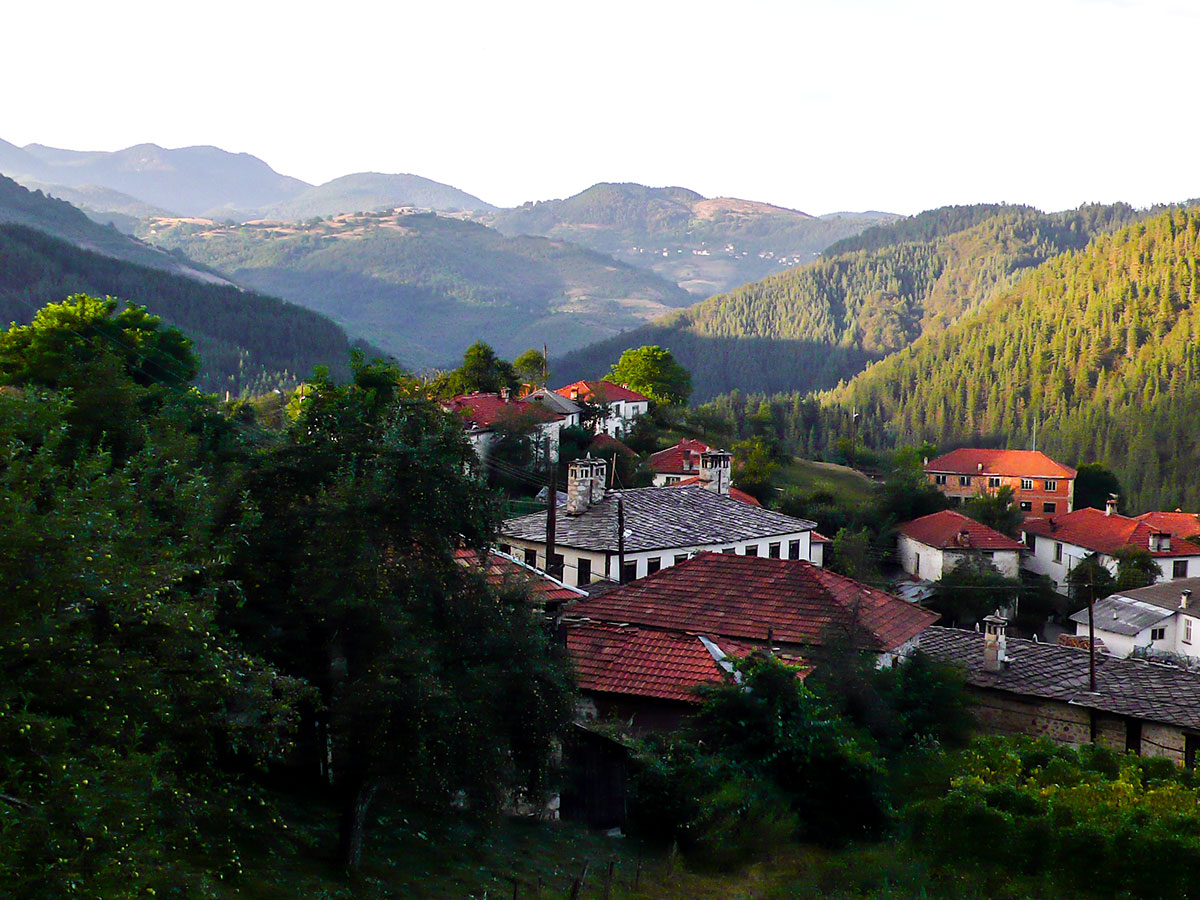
{"x":654,"y":372}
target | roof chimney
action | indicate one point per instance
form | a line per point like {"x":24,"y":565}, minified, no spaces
{"x":1183,"y":598}
{"x":715,"y":469}
{"x":504,"y":393}
{"x":1110,"y":506}
{"x":979,"y":467}
{"x":994,"y":643}
{"x":585,"y":484}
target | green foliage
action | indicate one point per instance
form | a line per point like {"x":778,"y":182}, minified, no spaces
{"x":1136,"y":568}
{"x":754,"y":469}
{"x":1089,"y":580}
{"x":854,"y":556}
{"x":530,"y":368}
{"x":1095,"y":485}
{"x":997,"y":510}
{"x":653,"y":371}
{"x":973,"y":589}
{"x":482,"y":371}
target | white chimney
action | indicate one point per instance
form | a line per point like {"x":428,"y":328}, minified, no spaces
{"x":585,"y":484}
{"x":979,"y":467}
{"x":715,"y":470}
{"x":1183,"y":598}
{"x":1110,"y":506}
{"x":994,"y":643}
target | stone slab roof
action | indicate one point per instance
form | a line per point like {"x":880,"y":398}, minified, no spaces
{"x":659,"y":518}
{"x":1123,"y":616}
{"x":738,"y":495}
{"x":1144,"y":690}
{"x":1167,"y":593}
{"x":759,"y":600}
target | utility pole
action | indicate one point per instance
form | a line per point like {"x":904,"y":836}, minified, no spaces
{"x":551,"y":521}
{"x":853,"y":432}
{"x":545,"y":364}
{"x":1091,"y":630}
{"x":620,"y":541}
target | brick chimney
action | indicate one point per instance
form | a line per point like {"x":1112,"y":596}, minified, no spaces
{"x":585,"y":484}
{"x":994,"y":643}
{"x":715,"y":470}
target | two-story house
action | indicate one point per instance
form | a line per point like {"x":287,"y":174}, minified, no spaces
{"x":1160,"y":620}
{"x":622,"y":406}
{"x":1058,"y":543}
{"x":677,"y":463}
{"x":1040,"y":486}
{"x":622,"y":535}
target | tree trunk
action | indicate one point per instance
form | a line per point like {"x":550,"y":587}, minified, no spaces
{"x":353,"y":823}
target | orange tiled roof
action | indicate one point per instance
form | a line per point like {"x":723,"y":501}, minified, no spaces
{"x":950,"y":530}
{"x":757,"y":600}
{"x":1093,"y":530}
{"x":485,"y":410}
{"x":606,"y":391}
{"x":499,"y":569}
{"x":606,"y":445}
{"x":1178,"y":524}
{"x":734,"y":493}
{"x":675,"y":460}
{"x":1023,"y":463}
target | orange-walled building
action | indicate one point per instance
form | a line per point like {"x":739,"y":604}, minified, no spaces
{"x":1040,"y":486}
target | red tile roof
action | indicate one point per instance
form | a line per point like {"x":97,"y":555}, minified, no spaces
{"x":485,"y":410}
{"x":683,"y":457}
{"x":666,"y":665}
{"x":1093,"y":530}
{"x":1079,"y":642}
{"x":1177,"y":524}
{"x":817,"y":538}
{"x":606,"y":445}
{"x":950,"y":530}
{"x":759,"y":600}
{"x":734,"y":493}
{"x":499,"y":569}
{"x":1023,"y":463}
{"x":606,"y":391}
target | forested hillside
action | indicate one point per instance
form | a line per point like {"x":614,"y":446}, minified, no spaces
{"x":424,"y":287}
{"x":244,"y":340}
{"x":812,"y":326}
{"x":704,"y":245}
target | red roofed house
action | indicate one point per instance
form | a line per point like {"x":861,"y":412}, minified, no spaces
{"x":933,"y":545}
{"x":500,"y":569}
{"x":1060,"y":542}
{"x":676,"y":463}
{"x":624,"y":405}
{"x":485,"y":413}
{"x":1178,"y":524}
{"x":760,"y":602}
{"x":1040,"y":485}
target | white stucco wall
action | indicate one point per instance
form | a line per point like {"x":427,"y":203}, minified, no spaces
{"x":1041,"y":561}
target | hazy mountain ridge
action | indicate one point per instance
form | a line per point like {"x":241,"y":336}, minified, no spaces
{"x":704,"y":245}
{"x":815,"y":325}
{"x":424,"y":286}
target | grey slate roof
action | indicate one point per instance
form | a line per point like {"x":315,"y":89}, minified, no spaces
{"x":1122,"y":615}
{"x":659,"y":518}
{"x":1166,"y":594}
{"x":552,"y":401}
{"x":1125,"y":687}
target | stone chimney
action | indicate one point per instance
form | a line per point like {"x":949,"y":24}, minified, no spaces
{"x":1183,"y":598}
{"x":994,"y":643}
{"x":716,"y":470}
{"x":585,"y":484}
{"x":1110,"y":506}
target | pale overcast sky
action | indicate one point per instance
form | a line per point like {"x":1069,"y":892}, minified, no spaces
{"x":821,"y":106}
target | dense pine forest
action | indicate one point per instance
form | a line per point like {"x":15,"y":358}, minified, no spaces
{"x":815,"y":325}
{"x":245,"y":341}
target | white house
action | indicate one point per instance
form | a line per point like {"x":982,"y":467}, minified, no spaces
{"x":1159,"y":620}
{"x":485,"y":415}
{"x":677,"y":463}
{"x":660,"y":526}
{"x":933,"y":545}
{"x":623,"y":406}
{"x":557,"y":404}
{"x":1060,"y":542}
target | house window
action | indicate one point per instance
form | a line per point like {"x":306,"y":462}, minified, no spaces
{"x":989,"y":554}
{"x":752,"y":550}
{"x":964,"y":480}
{"x":730,"y":550}
{"x":1133,"y":736}
{"x":653,"y":564}
{"x":1190,"y":743}
{"x":917,"y":567}
{"x":1187,"y":631}
{"x":1057,"y":552}
{"x":1027,"y":484}
{"x":680,"y":557}
{"x":793,"y":550}
{"x":1030,"y":540}
{"x":628,"y":572}
{"x":1051,"y":486}
{"x":585,"y":572}
{"x":1158,"y":634}
{"x":531,"y":558}
{"x":555,"y":568}
{"x":1049,"y":507}
{"x":939,"y":479}
{"x":1179,"y":568}
{"x":773,"y":550}
{"x":1026,"y":506}
{"x":504,"y":548}
{"x":993,"y":481}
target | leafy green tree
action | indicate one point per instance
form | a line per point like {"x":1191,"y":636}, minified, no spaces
{"x":653,"y":371}
{"x":996,"y":510}
{"x":1089,"y":580}
{"x":530,"y":368}
{"x":482,"y":371}
{"x":1094,"y":485}
{"x":1136,"y":568}
{"x":754,"y":470}
{"x":972,"y":590}
{"x":854,"y":556}
{"x":429,"y":684}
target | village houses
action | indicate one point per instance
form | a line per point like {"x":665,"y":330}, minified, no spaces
{"x":620,"y":406}
{"x":677,"y":463}
{"x":1159,"y":621}
{"x":1040,"y":485}
{"x":485,"y":416}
